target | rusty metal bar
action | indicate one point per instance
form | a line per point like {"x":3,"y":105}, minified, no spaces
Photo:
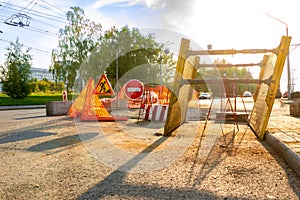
{"x":231,"y":51}
{"x":228,"y":65}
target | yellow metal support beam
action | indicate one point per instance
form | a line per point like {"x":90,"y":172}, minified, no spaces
{"x":173,"y":120}
{"x":227,"y":80}
{"x":263,"y":105}
{"x":231,"y":51}
{"x":228,"y":65}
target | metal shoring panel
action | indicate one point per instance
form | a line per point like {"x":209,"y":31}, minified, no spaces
{"x":263,"y":105}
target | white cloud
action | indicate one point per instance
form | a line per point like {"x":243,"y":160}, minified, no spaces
{"x":153,"y":4}
{"x":102,"y":3}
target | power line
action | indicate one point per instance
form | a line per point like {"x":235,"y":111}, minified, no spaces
{"x":28,"y":6}
{"x":36,"y":13}
{"x":3,"y":7}
{"x":15,"y":21}
{"x":47,"y":52}
{"x":41,"y":31}
{"x":45,"y":23}
{"x":18,"y":19}
{"x":53,"y":6}
{"x":62,"y":13}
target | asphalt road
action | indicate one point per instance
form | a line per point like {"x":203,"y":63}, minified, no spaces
{"x":22,"y":120}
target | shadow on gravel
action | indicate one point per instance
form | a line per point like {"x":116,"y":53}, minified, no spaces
{"x":115,"y":185}
{"x":228,"y":146}
{"x":35,"y":131}
{"x":19,"y":136}
{"x":70,"y":140}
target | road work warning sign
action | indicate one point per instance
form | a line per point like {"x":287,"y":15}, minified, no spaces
{"x":103,"y":87}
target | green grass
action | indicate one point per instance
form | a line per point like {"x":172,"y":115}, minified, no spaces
{"x":32,"y":99}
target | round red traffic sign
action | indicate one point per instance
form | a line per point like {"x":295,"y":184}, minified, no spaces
{"x":134,"y":89}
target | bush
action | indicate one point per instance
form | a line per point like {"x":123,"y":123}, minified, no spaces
{"x":45,"y":86}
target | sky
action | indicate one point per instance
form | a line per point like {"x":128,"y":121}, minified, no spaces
{"x":223,"y":24}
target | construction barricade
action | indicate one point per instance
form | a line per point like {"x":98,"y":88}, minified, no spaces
{"x":156,"y":112}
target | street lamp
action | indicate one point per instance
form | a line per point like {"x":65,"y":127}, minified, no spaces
{"x":166,"y":51}
{"x":288,"y":57}
{"x":117,"y":76}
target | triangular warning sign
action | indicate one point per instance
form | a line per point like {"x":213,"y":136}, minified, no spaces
{"x":103,"y":87}
{"x":94,"y":110}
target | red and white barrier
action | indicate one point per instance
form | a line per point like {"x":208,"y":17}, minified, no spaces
{"x":156,"y":112}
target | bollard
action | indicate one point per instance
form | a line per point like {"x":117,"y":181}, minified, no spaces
{"x":64,"y":95}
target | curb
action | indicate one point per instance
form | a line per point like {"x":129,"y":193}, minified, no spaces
{"x":291,"y":157}
{"x":22,"y":107}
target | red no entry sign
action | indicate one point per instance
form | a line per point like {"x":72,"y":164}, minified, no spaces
{"x":134,"y":89}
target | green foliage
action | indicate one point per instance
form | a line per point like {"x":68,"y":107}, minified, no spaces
{"x":46,"y":86}
{"x":32,"y":99}
{"x":82,"y":44}
{"x":76,"y":41}
{"x":16,"y":70}
{"x":121,"y":50}
{"x":229,"y":73}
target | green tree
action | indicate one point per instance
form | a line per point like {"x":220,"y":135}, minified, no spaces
{"x":76,"y":41}
{"x":121,"y":50}
{"x":229,"y":73}
{"x":16,"y":71}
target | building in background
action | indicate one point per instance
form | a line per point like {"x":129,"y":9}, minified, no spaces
{"x":40,"y":74}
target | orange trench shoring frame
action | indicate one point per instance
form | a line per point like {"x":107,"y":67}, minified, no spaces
{"x":88,"y":107}
{"x":267,"y":84}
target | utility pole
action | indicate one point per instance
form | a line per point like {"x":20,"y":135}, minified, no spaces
{"x":117,"y":75}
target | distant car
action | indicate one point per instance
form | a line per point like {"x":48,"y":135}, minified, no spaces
{"x":204,"y":95}
{"x":247,"y":94}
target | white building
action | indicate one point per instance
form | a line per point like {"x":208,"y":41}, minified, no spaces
{"x":40,"y":74}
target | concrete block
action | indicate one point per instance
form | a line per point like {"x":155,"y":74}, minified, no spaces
{"x":55,"y":108}
{"x":295,"y":109}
